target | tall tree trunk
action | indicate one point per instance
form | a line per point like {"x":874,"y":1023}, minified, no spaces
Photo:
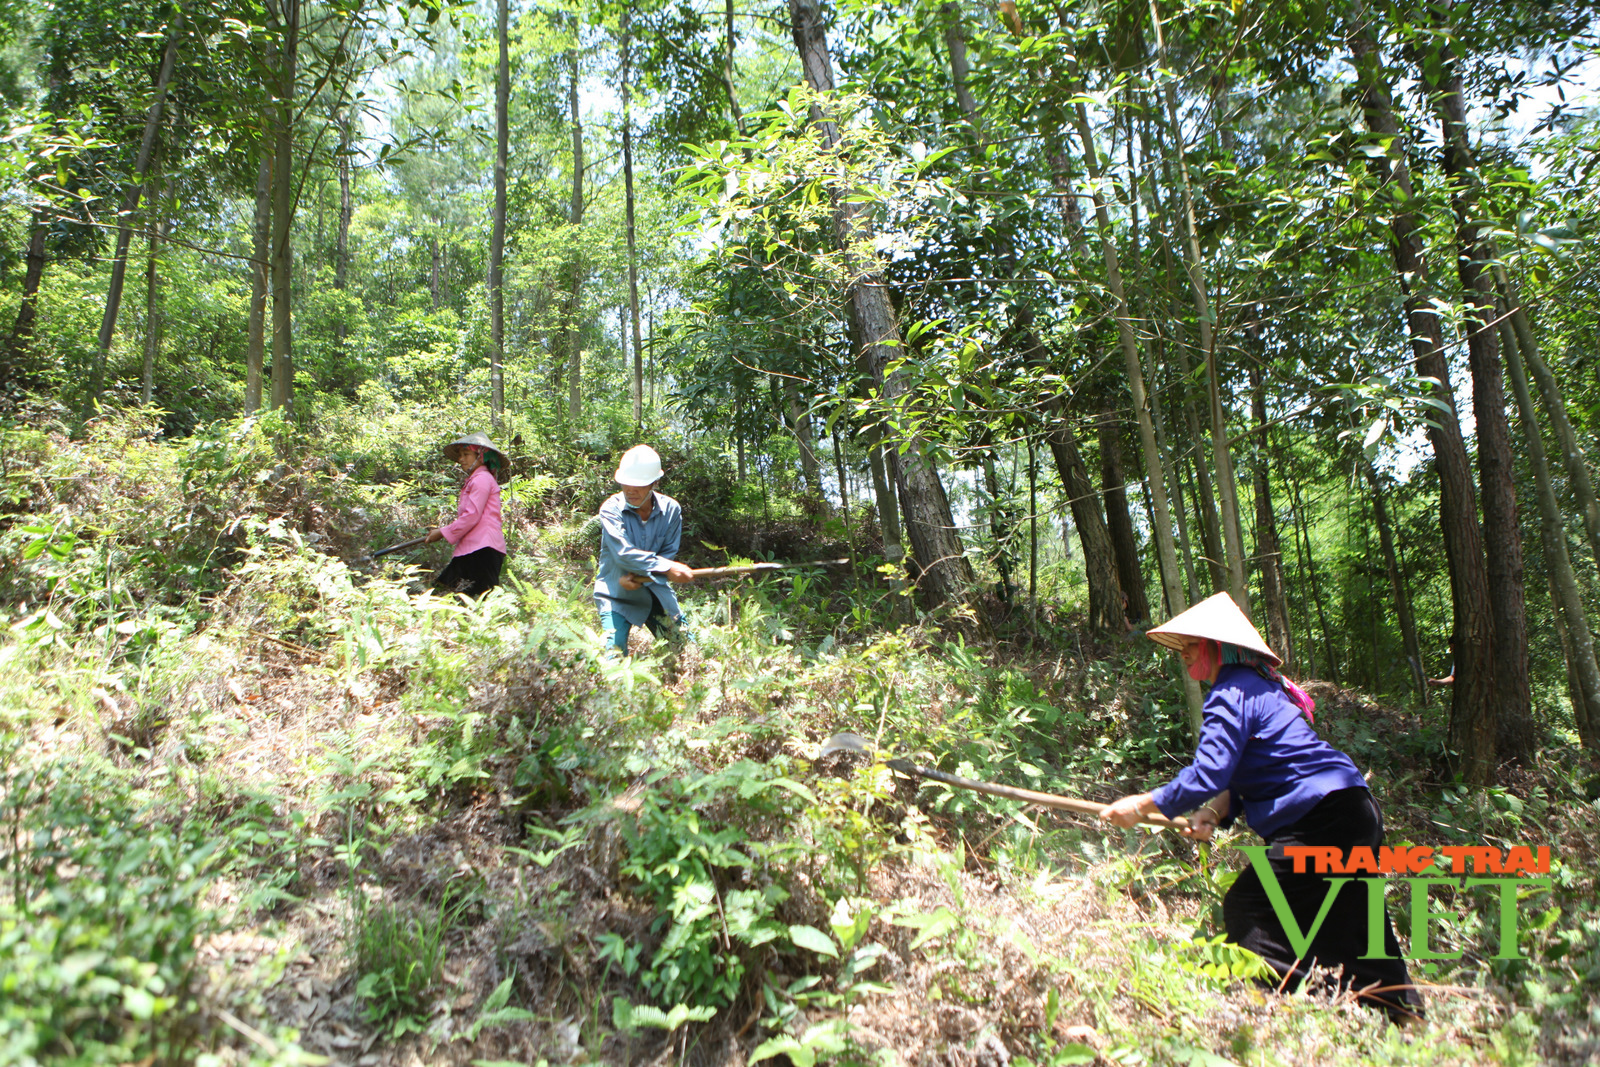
{"x":152,"y":307}
{"x":1309,"y":563}
{"x":738,"y":423}
{"x":497,"y":229}
{"x":288,"y":27}
{"x":1516,"y":737}
{"x":1577,"y":639}
{"x":573,"y":349}
{"x":1573,"y":460}
{"x":1269,"y":553}
{"x":946,"y":573}
{"x":799,"y":420}
{"x":1124,"y":542}
{"x":844,"y":477}
{"x":1222,"y":458}
{"x":1000,"y":522}
{"x":1472,"y":711}
{"x":955,"y":41}
{"x":1391,"y":562}
{"x":1129,"y":344}
{"x":1172,"y":472}
{"x":1206,"y":510}
{"x":884,"y":494}
{"x":1211,"y":540}
{"x":130,"y":206}
{"x":436,"y":280}
{"x":14,"y":363}
{"x":260,"y":256}
{"x":727,"y":68}
{"x":633,"y":254}
{"x":341,"y":250}
{"x":1099,"y":565}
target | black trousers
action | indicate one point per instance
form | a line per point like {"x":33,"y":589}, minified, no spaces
{"x":473,"y":574}
{"x":1344,"y":819}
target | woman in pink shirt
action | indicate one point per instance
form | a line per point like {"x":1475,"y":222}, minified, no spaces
{"x":480,"y":543}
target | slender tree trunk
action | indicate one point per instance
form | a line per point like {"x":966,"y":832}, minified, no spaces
{"x":1309,"y":563}
{"x":260,"y":264}
{"x":1269,"y":553}
{"x":727,"y":68}
{"x":1516,"y":737}
{"x":1573,"y":460}
{"x":999,"y":522}
{"x":1391,"y":562}
{"x":888,"y":508}
{"x":1472,"y":711}
{"x":1124,"y":542}
{"x":1172,"y":473}
{"x":1569,"y":656}
{"x":288,"y":27}
{"x":14,"y":363}
{"x":844,"y":477}
{"x":497,"y":230}
{"x":1227,"y":487}
{"x":955,"y":41}
{"x":633,"y":253}
{"x":800,"y":425}
{"x":130,"y":206}
{"x":152,"y":308}
{"x":573,"y":348}
{"x":1577,"y":639}
{"x":946,"y":573}
{"x":1105,"y":595}
{"x":341,"y":253}
{"x":435,"y":281}
{"x":1211,"y":541}
{"x":1129,"y":344}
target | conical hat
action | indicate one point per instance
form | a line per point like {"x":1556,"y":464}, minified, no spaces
{"x":1216,"y":617}
{"x":453,"y":450}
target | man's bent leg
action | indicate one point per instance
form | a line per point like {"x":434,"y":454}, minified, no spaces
{"x":616,"y":627}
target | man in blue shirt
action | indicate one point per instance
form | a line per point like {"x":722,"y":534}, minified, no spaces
{"x":640,"y":533}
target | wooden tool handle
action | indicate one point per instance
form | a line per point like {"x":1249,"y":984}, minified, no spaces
{"x":754,"y":568}
{"x":396,"y":548}
{"x":1049,"y":800}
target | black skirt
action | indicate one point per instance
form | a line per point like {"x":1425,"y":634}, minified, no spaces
{"x":473,"y":574}
{"x":1344,"y":819}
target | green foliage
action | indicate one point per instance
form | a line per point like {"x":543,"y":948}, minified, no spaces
{"x":790,"y":1006}
{"x":684,"y":865}
{"x":101,"y":917}
{"x":399,"y":950}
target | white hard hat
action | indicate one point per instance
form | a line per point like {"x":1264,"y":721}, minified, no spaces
{"x":1217,"y":617}
{"x":640,"y":465}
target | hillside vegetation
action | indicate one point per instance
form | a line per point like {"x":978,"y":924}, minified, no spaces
{"x":265,"y":803}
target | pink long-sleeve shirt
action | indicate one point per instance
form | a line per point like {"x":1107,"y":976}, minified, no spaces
{"x":477,"y":522}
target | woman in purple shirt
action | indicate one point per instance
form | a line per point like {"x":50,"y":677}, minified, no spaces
{"x":480,"y":543}
{"x":1257,"y":752}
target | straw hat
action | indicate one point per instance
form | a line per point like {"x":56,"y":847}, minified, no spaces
{"x":1218,"y":618}
{"x":452,"y":451}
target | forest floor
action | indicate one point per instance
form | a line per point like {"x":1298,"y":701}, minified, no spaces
{"x":414,"y":830}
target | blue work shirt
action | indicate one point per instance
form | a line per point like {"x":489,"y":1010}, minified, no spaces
{"x":631,"y":545}
{"x":1256,"y":742}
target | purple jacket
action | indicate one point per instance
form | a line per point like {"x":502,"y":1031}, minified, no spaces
{"x":1254,"y":741}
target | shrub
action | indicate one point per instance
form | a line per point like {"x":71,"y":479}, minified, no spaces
{"x":100,"y":920}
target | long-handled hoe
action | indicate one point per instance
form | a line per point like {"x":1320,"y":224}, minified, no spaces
{"x":402,"y":546}
{"x":849,"y":742}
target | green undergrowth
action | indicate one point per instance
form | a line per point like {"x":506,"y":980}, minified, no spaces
{"x":525,"y":849}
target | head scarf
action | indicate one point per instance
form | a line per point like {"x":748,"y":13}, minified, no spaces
{"x":1264,"y":666}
